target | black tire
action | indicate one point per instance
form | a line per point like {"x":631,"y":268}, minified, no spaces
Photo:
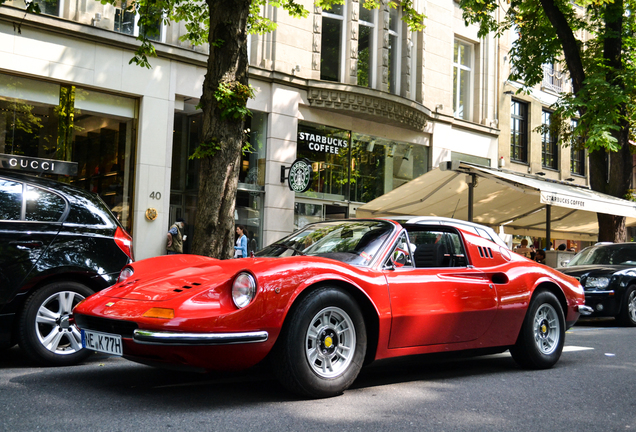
{"x":627,"y":315}
{"x":308,"y":344}
{"x":44,"y":331}
{"x":542,"y":334}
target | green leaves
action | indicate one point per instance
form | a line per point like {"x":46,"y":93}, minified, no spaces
{"x":232,"y":97}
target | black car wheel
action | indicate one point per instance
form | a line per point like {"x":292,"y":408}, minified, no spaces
{"x":542,"y":335}
{"x":322,"y":347}
{"x":46,"y":331}
{"x":627,"y":316}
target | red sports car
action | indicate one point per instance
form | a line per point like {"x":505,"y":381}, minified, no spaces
{"x":332,"y":297}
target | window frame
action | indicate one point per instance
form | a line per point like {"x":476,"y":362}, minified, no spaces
{"x":397,"y":58}
{"x":549,"y":142}
{"x":458,"y":67}
{"x":520,"y":119}
{"x":373,"y":49}
{"x":343,"y":41}
{"x":576,"y":155}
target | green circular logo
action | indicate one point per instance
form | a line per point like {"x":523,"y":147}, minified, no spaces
{"x":300,"y":175}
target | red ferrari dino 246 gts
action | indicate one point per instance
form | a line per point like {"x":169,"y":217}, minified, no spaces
{"x":332,"y":297}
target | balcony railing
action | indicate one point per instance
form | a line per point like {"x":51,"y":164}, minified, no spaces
{"x":553,"y":80}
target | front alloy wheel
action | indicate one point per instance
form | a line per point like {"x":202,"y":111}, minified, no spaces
{"x":323,"y":344}
{"x":330,"y":342}
{"x":47,"y":332}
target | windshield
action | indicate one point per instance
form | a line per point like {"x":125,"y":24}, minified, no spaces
{"x":353,"y":242}
{"x":614,"y":254}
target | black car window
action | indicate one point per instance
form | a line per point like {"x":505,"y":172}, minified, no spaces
{"x":10,"y":200}
{"x":43,"y":206}
{"x":436,"y":247}
{"x":88,"y":212}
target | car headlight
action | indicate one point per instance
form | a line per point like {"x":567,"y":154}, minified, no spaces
{"x":243,"y":289}
{"x":597,"y":282}
{"x":125,"y":274}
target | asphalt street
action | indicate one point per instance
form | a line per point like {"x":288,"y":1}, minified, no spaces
{"x":592,"y":388}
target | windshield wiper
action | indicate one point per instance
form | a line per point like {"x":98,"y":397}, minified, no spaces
{"x":289,"y":247}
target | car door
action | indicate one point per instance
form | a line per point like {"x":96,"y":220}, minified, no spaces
{"x":437,"y":298}
{"x":29,"y":221}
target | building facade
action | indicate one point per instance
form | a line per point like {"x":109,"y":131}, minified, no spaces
{"x":370,"y":104}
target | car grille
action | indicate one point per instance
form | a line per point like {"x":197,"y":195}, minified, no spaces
{"x":122,"y":328}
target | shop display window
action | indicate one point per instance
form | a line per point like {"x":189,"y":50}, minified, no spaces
{"x":359,"y":169}
{"x":328,"y":150}
{"x":67,"y":123}
{"x":184,"y":188}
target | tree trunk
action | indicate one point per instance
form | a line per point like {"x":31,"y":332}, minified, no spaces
{"x":613,"y":178}
{"x":611,"y":173}
{"x":218,"y":177}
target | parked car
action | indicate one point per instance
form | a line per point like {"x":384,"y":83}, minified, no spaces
{"x":607,"y":272}
{"x":58,"y":245}
{"x":331,"y":297}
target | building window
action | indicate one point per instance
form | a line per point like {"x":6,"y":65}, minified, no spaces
{"x":577,"y":153}
{"x":552,"y":78}
{"x":328,"y":150}
{"x":519,"y":131}
{"x":462,"y":72}
{"x":366,"y":47}
{"x":395,"y":51}
{"x":128,"y":22}
{"x":68,"y":123}
{"x":184,"y":187}
{"x":549,"y":148}
{"x":379,"y":165}
{"x":331,"y":50}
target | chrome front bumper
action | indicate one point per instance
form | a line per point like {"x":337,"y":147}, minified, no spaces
{"x":176,"y":338}
{"x":585,"y":310}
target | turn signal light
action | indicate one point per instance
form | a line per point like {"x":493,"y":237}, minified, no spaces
{"x":159,"y":313}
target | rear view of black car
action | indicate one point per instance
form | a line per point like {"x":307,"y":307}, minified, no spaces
{"x":608,"y":275}
{"x":58,"y":245}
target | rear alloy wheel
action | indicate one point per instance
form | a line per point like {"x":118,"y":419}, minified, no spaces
{"x":542,"y":335}
{"x":47,"y":332}
{"x":627,"y":316}
{"x":322,"y":347}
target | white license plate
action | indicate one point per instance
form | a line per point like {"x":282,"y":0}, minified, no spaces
{"x":102,"y":342}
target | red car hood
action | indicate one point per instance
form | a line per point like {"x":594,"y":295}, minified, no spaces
{"x":163,"y":278}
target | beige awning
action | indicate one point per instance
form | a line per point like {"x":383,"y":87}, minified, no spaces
{"x":502,"y":198}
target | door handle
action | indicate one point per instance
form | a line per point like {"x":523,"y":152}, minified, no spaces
{"x":27,"y":244}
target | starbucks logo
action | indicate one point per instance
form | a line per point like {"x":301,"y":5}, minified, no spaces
{"x":300,"y":175}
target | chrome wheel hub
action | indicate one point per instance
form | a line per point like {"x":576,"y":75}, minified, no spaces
{"x":631,"y":306}
{"x":330,"y":342}
{"x":54,"y":325}
{"x":547,"y":332}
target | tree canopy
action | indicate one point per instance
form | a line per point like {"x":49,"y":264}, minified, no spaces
{"x":593,"y":40}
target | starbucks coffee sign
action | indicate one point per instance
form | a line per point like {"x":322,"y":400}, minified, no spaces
{"x":299,"y":175}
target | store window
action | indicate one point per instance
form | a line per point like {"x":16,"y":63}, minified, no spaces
{"x":360,"y":172}
{"x":518,"y":131}
{"x":184,"y":188}
{"x":366,"y":47}
{"x":577,"y":153}
{"x":395,"y":51}
{"x":328,"y":150}
{"x":68,"y":123}
{"x":378,"y":165}
{"x":332,"y":45}
{"x":462,"y":76}
{"x":549,"y":148}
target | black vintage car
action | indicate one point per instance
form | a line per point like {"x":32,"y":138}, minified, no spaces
{"x":608,"y":275}
{"x":58,"y":245}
